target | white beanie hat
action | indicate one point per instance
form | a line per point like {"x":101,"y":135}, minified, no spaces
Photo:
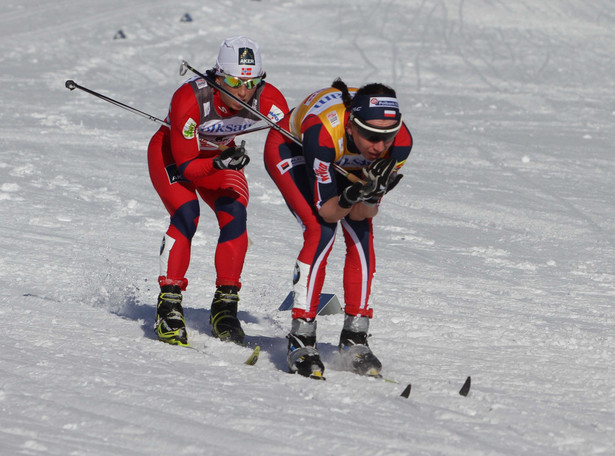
{"x":239,"y":56}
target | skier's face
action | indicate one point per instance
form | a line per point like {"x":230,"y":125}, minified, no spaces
{"x":371,"y":148}
{"x":239,"y":88}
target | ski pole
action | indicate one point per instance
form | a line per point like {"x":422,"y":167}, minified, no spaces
{"x":184,"y":66}
{"x":72,"y":85}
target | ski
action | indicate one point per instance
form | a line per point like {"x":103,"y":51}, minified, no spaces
{"x":406,"y":392}
{"x":464,"y":391}
{"x":253,"y":358}
{"x":250,"y":361}
{"x":317,"y":375}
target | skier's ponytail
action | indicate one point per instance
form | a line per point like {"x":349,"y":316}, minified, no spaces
{"x":342,"y":87}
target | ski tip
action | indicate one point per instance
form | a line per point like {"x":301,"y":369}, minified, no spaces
{"x":465,"y":389}
{"x":251,"y":361}
{"x":373,"y":373}
{"x":317,"y":375}
{"x":406,"y":392}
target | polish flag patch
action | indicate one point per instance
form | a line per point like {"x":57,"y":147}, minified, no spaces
{"x":389,"y":113}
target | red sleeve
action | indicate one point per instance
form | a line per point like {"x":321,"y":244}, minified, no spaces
{"x":185,"y":117}
{"x":273,"y":104}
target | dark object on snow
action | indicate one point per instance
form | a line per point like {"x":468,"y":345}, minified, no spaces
{"x":465,"y":389}
{"x":186,"y":18}
{"x":406,"y":393}
{"x":119,"y":35}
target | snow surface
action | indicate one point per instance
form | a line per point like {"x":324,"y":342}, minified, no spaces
{"x":495,"y":253}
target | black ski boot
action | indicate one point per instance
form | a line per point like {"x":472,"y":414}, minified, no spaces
{"x":303,"y":357}
{"x":170,"y":326}
{"x":355,"y":353}
{"x":223,"y":318}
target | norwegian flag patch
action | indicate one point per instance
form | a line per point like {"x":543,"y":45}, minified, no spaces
{"x":246,"y":71}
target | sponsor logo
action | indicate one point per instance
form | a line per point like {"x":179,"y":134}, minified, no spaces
{"x":383,"y":102}
{"x":275,"y":114}
{"x":321,"y":169}
{"x":353,"y":162}
{"x":309,"y":99}
{"x":174,"y":175}
{"x":246,"y":56}
{"x":333,"y":119}
{"x":286,"y":165}
{"x":201,"y":83}
{"x":327,"y":99}
{"x":206,"y":109}
{"x":190,"y":129}
{"x":296,"y":274}
{"x":223,"y":128}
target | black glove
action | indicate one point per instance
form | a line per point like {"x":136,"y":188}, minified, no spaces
{"x":377,"y":175}
{"x":358,"y":192}
{"x":394,"y":179}
{"x":351,"y":195}
{"x":232,"y":158}
{"x":380,"y":179}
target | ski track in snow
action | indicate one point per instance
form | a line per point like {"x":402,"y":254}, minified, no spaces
{"x":495,"y":253}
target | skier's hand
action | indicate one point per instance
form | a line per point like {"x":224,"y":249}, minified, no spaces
{"x":352,"y":195}
{"x":232,"y":158}
{"x":359,"y":192}
{"x":394,"y":179}
{"x":377,"y":175}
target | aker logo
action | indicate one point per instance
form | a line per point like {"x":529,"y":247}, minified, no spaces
{"x":174,"y":175}
{"x":190,"y":129}
{"x":321,"y":169}
{"x":246,"y":57}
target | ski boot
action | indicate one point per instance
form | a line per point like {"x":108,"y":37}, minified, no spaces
{"x":170,"y":326}
{"x":223,"y":318}
{"x":303,"y":357}
{"x":355,"y":353}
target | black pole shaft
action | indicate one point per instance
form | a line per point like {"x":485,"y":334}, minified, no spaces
{"x":72,"y":85}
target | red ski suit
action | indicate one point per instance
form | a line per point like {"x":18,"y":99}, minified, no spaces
{"x":307,"y":180}
{"x":181,"y":165}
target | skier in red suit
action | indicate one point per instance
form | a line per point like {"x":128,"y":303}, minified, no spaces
{"x":345,"y":134}
{"x":197,"y":156}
